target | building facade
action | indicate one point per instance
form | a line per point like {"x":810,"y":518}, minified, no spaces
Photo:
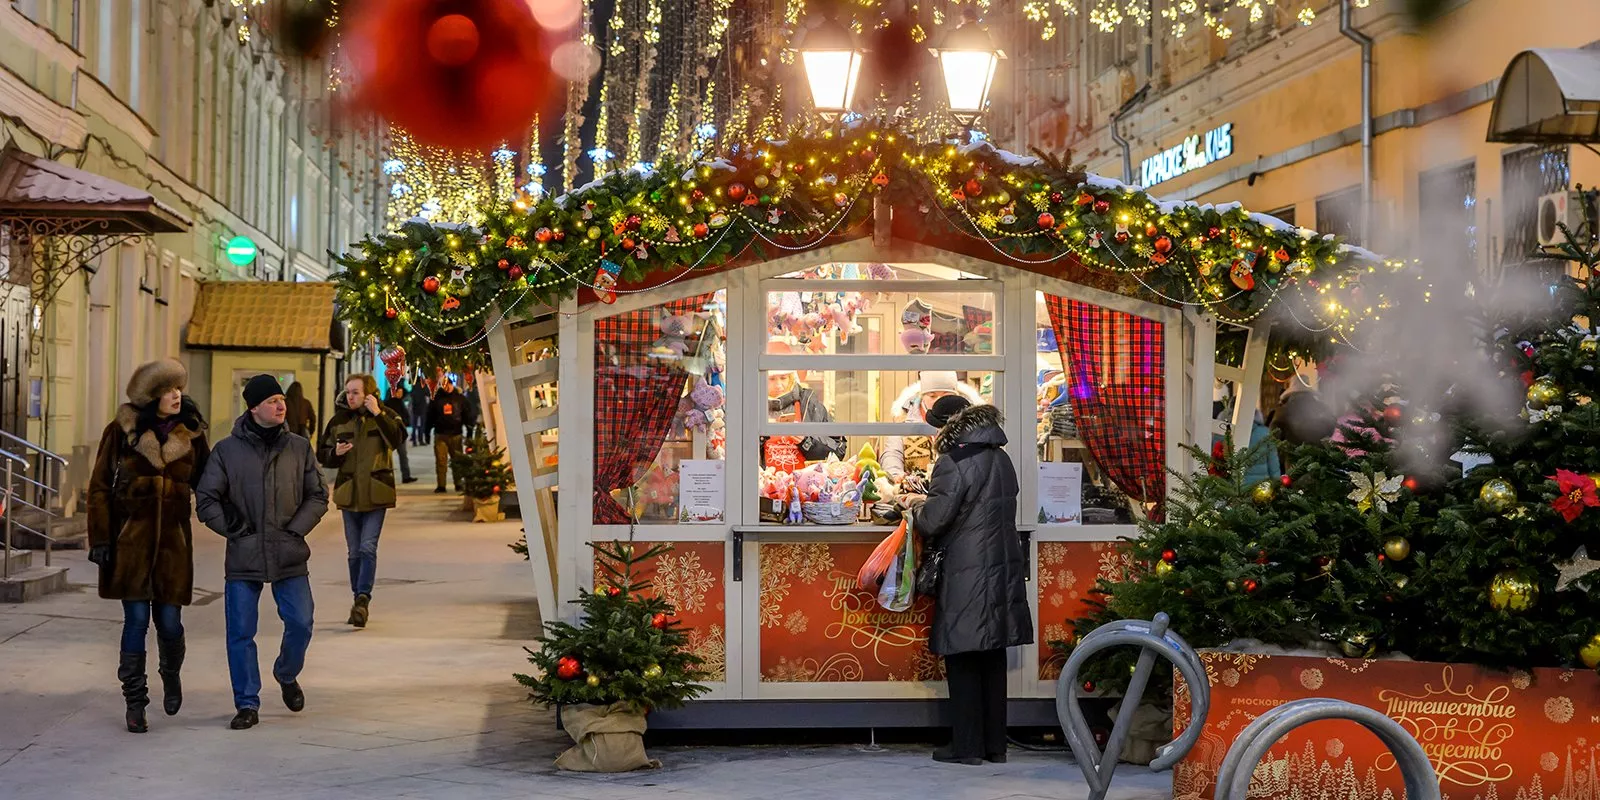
{"x":187,"y":100}
{"x":1271,"y":117}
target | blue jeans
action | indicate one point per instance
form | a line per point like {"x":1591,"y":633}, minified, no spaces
{"x":242,"y":607}
{"x":361,"y":529}
{"x":136,"y":623}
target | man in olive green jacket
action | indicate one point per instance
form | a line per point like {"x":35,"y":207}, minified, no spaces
{"x":359,"y":442}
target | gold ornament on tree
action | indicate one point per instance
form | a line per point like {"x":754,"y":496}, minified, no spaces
{"x":653,"y":671}
{"x":1497,"y":495}
{"x":593,"y":681}
{"x":1512,"y":590}
{"x":1263,"y":492}
{"x":1543,"y":393}
{"x":1357,"y":645}
{"x":1590,"y":653}
{"x":1163,"y":568}
{"x":1396,"y":548}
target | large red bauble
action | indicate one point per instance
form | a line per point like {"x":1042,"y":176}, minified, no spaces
{"x":453,"y":39}
{"x":430,"y":284}
{"x":421,"y":69}
{"x":568,"y":668}
{"x":660,"y":621}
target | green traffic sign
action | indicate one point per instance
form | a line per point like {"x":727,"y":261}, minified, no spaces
{"x":241,"y":251}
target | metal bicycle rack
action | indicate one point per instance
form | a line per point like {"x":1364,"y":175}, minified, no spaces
{"x":1233,"y":780}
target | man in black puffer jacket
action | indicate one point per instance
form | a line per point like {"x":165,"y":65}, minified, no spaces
{"x":263,"y":492}
{"x":981,"y":605}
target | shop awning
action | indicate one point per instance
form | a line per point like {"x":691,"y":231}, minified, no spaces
{"x":256,"y":315}
{"x":34,"y":188}
{"x":1548,"y":95}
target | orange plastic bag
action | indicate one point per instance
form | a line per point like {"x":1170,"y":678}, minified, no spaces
{"x":871,"y":575}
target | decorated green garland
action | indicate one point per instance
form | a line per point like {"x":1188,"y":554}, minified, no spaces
{"x":448,"y":286}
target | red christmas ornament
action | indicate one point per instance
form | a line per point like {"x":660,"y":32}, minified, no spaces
{"x":958,"y":195}
{"x":430,"y":284}
{"x":613,"y":591}
{"x":1410,"y":484}
{"x":1088,"y":686}
{"x":542,"y":236}
{"x":1163,"y":245}
{"x":484,"y":73}
{"x":1169,"y":555}
{"x":453,"y":39}
{"x":880,"y":180}
{"x":633,"y":222}
{"x":561,"y":235}
{"x":627,"y":244}
{"x":700,"y":230}
{"x":1158,"y":259}
{"x":502,"y":264}
{"x":515,"y":273}
{"x":1047,"y":220}
{"x":1261,"y":558}
{"x":1150,"y":229}
{"x":1102,"y":206}
{"x":450,"y":304}
{"x":736,"y":192}
{"x":798,"y":167}
{"x":1250,"y":585}
{"x":1056,"y":198}
{"x":973,"y":187}
{"x":1213,"y":232}
{"x":390,"y":313}
{"x":660,"y":621}
{"x":1121,"y":237}
{"x":1085,"y":199}
{"x":568,"y":668}
{"x":497,"y":488}
{"x":1285,"y":480}
{"x":1281,"y":254}
{"x":697,"y":195}
{"x":1393,"y":413}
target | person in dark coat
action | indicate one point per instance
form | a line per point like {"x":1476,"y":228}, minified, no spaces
{"x":359,"y":442}
{"x":981,"y":605}
{"x":139,"y":532}
{"x":301,"y":417}
{"x":448,"y":415}
{"x":263,"y":491}
{"x":420,"y":400}
{"x":401,"y":406}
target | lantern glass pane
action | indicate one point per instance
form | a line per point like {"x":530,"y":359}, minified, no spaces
{"x":967,"y":77}
{"x":832,"y":75}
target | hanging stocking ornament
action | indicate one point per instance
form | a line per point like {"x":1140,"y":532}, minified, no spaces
{"x":605,"y":281}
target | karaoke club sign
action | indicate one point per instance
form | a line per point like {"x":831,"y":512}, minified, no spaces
{"x":1195,"y":152}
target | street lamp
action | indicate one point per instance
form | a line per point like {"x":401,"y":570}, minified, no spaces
{"x":832,"y":63}
{"x":969,"y":59}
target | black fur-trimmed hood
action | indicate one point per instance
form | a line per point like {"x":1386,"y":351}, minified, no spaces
{"x":975,"y":425}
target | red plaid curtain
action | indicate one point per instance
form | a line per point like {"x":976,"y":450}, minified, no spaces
{"x":635,"y":399}
{"x":1118,"y":392}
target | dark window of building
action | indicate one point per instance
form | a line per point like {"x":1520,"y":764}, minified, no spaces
{"x":1340,"y":214}
{"x":1448,"y":229}
{"x":1286,"y":214}
{"x":1526,"y":175}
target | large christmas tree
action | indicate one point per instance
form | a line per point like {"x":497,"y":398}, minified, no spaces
{"x":1424,"y":525}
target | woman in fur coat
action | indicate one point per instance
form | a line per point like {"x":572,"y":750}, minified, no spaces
{"x":139,"y":509}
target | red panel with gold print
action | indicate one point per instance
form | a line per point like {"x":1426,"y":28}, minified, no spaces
{"x":690,"y":578}
{"x":1067,"y":573}
{"x":816,"y":625}
{"x":1513,"y":734}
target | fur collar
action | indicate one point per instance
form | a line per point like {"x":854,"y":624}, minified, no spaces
{"x":180,"y":441}
{"x":907,"y":402}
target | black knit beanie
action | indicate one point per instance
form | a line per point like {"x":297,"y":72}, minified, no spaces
{"x":944,"y":408}
{"x":260,"y":389}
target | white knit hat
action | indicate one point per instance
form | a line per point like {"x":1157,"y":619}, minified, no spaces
{"x":937,"y":381}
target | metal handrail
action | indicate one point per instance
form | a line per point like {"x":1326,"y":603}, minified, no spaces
{"x":45,"y":486}
{"x":10,"y":437}
{"x":14,"y":457}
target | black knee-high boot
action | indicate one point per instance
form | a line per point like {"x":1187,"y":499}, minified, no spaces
{"x":172,"y":651}
{"x":130,"y":670}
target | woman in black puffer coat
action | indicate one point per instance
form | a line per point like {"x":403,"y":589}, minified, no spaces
{"x":981,"y":606}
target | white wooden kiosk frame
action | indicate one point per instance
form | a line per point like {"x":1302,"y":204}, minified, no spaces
{"x":742,"y":698}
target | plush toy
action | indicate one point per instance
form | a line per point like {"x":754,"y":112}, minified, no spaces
{"x":980,"y":339}
{"x":659,"y":493}
{"x":810,"y":482}
{"x":675,"y":332}
{"x":916,"y":340}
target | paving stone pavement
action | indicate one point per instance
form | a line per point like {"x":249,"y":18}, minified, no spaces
{"x":420,"y":704}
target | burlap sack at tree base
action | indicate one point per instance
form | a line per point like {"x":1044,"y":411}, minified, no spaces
{"x":609,"y":739}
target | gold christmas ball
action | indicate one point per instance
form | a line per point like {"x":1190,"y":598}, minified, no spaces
{"x":1542,"y":393}
{"x":593,"y":681}
{"x":1396,"y":548}
{"x":653,"y":671}
{"x":1590,"y":654}
{"x":1497,"y":495}
{"x":1263,"y":492}
{"x":1589,"y":345}
{"x":594,"y":232}
{"x":1357,"y":645}
{"x":1512,"y":590}
{"x":762,"y":181}
{"x":1163,"y":569}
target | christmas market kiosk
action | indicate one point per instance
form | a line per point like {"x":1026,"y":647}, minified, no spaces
{"x":746,"y":344}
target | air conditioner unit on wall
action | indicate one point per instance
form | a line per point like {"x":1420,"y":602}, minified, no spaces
{"x":1556,"y":209}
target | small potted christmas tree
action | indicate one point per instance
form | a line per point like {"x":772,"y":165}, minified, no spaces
{"x":483,"y":474}
{"x":626,"y":656}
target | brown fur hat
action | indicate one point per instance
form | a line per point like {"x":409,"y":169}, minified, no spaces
{"x":150,"y":380}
